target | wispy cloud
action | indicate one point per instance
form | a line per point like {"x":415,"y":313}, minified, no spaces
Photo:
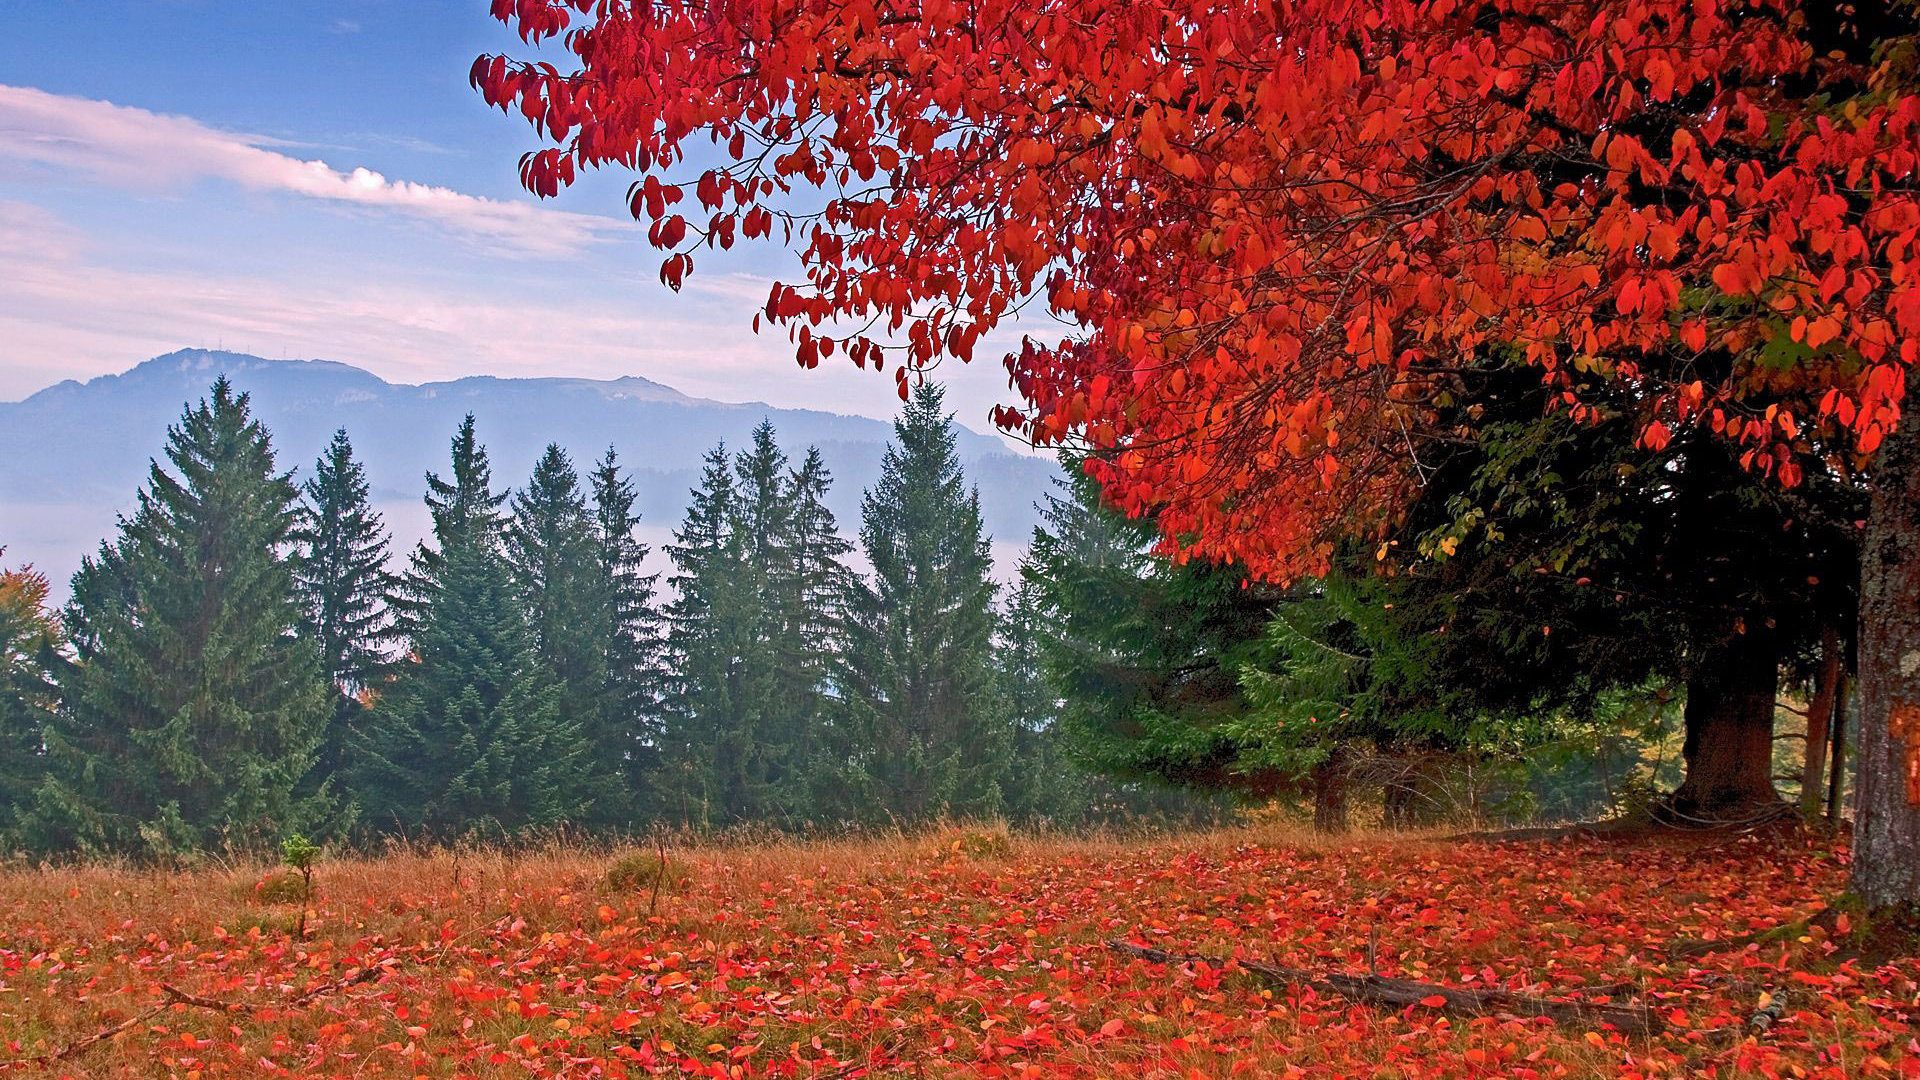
{"x":135,"y":149}
{"x":66,"y":310}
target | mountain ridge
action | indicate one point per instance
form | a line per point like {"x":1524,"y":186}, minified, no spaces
{"x":76,"y":451}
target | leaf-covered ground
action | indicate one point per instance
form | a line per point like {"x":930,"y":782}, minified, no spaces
{"x":912,"y":958}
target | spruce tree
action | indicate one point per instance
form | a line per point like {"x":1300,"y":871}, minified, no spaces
{"x":702,"y":737}
{"x":341,"y":574}
{"x":471,"y":735}
{"x":923,"y":736}
{"x":458,"y":506}
{"x":554,"y":556}
{"x":1045,"y":784}
{"x":1146,"y":654}
{"x":196,"y":706}
{"x":811,"y":648}
{"x":753,"y":640}
{"x":764,"y":773}
{"x":628,"y":733}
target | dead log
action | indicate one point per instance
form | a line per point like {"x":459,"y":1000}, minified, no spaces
{"x":1401,"y":993}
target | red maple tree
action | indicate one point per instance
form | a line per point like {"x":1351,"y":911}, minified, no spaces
{"x":1275,"y":229}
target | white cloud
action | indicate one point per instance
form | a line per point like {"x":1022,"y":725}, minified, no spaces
{"x":145,"y":151}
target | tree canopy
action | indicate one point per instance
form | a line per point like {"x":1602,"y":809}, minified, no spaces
{"x":1279,"y":232}
{"x":1276,"y":227}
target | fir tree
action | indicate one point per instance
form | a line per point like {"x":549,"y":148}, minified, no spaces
{"x":762,"y":769}
{"x":196,"y":706}
{"x":753,"y":638}
{"x":554,"y":556}
{"x":471,"y":734}
{"x":923,"y":736}
{"x":810,"y":654}
{"x":462,"y":505}
{"x":628,"y":733}
{"x":1048,"y":786}
{"x":702,"y":736}
{"x":341,"y":574}
{"x":1145,"y":654}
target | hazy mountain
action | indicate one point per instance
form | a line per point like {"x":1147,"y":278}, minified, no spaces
{"x":72,"y":455}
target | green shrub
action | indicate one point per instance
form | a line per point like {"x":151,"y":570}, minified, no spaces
{"x":279,"y":888}
{"x":975,"y":843}
{"x":643,"y":871}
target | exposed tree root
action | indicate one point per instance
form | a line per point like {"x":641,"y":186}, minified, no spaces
{"x":1663,"y":818}
{"x":1400,"y":993}
{"x":1745,"y":817}
{"x":1576,"y":830}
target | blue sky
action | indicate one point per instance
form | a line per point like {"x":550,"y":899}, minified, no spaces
{"x":318,"y":180}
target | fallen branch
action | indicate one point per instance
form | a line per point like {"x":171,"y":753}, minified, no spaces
{"x":1766,"y":1013}
{"x":176,"y":996}
{"x":365,"y":974}
{"x":1400,"y":993}
{"x":1583,"y":830}
{"x":1694,"y":948}
{"x":74,"y":1050}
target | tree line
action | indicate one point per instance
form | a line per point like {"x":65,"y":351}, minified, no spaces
{"x":244,"y":660}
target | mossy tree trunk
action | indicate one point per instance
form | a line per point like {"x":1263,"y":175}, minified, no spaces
{"x":1886,"y":852}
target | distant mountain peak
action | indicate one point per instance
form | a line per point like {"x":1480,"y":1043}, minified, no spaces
{"x":76,"y":452}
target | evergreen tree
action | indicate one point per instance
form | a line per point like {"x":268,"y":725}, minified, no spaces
{"x":29,"y":640}
{"x":628,"y":733}
{"x":764,"y":774}
{"x":1046,"y":784}
{"x":462,"y":505}
{"x":704,"y":742}
{"x":753,"y":639}
{"x":1145,"y":654}
{"x":554,"y":556}
{"x":341,"y":574}
{"x":471,"y":734}
{"x":810,"y":654}
{"x":196,"y":707}
{"x":922,"y":736}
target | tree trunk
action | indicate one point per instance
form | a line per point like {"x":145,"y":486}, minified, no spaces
{"x":1729,"y":740}
{"x":1330,"y":783}
{"x":1398,"y":803}
{"x":1886,"y":848}
{"x":1837,"y":761}
{"x":1820,"y":712}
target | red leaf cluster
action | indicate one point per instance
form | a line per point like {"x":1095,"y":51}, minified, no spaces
{"x":1273,"y":229}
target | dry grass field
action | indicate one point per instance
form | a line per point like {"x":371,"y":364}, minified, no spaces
{"x":967,"y":953}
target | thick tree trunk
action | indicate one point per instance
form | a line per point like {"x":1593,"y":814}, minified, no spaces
{"x":1729,"y":740}
{"x":1820,"y":713}
{"x":1330,"y":784}
{"x":1886,"y":848}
